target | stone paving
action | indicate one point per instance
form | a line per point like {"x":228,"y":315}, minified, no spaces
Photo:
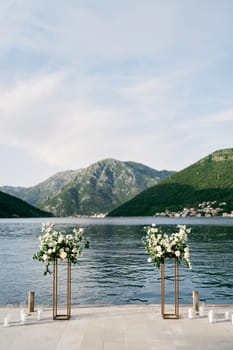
{"x":117,"y":327}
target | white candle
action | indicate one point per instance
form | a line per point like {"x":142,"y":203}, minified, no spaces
{"x":211,"y":316}
{"x":227,"y":315}
{"x":23,"y":317}
{"x":6,"y":321}
{"x":39,"y":315}
{"x":190,"y":313}
{"x":22,"y":305}
{"x":232,"y":319}
{"x":202,"y":311}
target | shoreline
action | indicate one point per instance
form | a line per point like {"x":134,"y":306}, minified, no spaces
{"x":122,"y":305}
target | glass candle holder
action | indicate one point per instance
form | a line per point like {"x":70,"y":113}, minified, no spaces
{"x":39,"y":314}
{"x":190,"y":313}
{"x":202,"y":309}
{"x":211,"y":316}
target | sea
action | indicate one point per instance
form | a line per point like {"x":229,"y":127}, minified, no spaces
{"x":114,"y":270}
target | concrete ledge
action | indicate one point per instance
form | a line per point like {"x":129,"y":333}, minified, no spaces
{"x":117,"y":327}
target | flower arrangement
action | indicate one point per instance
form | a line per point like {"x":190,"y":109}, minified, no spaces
{"x":57,"y":245}
{"x":160,"y":245}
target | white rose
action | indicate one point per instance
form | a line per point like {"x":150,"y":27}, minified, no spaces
{"x":177,"y":253}
{"x":63,"y":255}
{"x":45,"y":257}
{"x":149,"y":260}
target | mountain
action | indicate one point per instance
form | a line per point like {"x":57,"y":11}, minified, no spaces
{"x":206,"y":184}
{"x":43,"y":191}
{"x":96,"y":189}
{"x":12,"y":207}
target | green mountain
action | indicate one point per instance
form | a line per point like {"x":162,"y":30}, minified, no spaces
{"x":38,"y":194}
{"x":101,"y":187}
{"x":12,"y":207}
{"x":207,"y":183}
{"x":96,"y":189}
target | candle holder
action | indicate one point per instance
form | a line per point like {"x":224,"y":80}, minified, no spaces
{"x":174,"y":315}
{"x":211,"y":316}
{"x":6,"y":321}
{"x":202,"y":309}
{"x":190,"y":313}
{"x":39,"y":314}
{"x":67,"y":315}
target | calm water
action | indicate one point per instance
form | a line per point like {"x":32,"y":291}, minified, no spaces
{"x":115,"y":270}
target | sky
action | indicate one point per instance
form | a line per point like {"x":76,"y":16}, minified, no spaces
{"x":84,"y":80}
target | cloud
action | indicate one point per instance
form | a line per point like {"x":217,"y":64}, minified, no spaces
{"x":224,"y":116}
{"x":27,"y":91}
{"x":124,"y":29}
{"x":65,"y":119}
{"x":208,"y":121}
{"x":25,"y":108}
{"x":51,"y":121}
{"x":133,"y":80}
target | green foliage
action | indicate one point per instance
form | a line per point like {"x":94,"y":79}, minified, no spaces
{"x":60,"y":245}
{"x":159,"y":245}
{"x":11,"y":207}
{"x":209,"y":179}
{"x":93,"y":190}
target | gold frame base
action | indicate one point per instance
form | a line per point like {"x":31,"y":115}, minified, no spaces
{"x":175,"y":315}
{"x":57,"y":316}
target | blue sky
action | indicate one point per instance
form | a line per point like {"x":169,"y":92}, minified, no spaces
{"x":148,"y":81}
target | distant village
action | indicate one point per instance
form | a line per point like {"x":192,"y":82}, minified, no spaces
{"x":206,"y":209}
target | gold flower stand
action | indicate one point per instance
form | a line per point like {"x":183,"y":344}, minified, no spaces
{"x":64,"y":316}
{"x":174,"y":315}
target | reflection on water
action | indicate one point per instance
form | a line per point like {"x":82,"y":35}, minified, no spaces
{"x":115,"y":270}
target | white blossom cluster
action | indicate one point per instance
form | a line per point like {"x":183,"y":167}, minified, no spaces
{"x":160,"y":245}
{"x":57,"y":245}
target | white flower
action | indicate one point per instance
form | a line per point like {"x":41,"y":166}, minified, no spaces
{"x":56,"y":245}
{"x":63,"y":254}
{"x":149,"y":260}
{"x":160,"y":245}
{"x":60,"y":239}
{"x":45,"y":257}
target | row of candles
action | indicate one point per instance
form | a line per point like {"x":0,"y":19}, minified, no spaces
{"x":191,"y":314}
{"x":211,"y":315}
{"x":22,"y":315}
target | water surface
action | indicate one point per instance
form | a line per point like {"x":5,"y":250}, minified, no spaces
{"x":115,"y":270}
